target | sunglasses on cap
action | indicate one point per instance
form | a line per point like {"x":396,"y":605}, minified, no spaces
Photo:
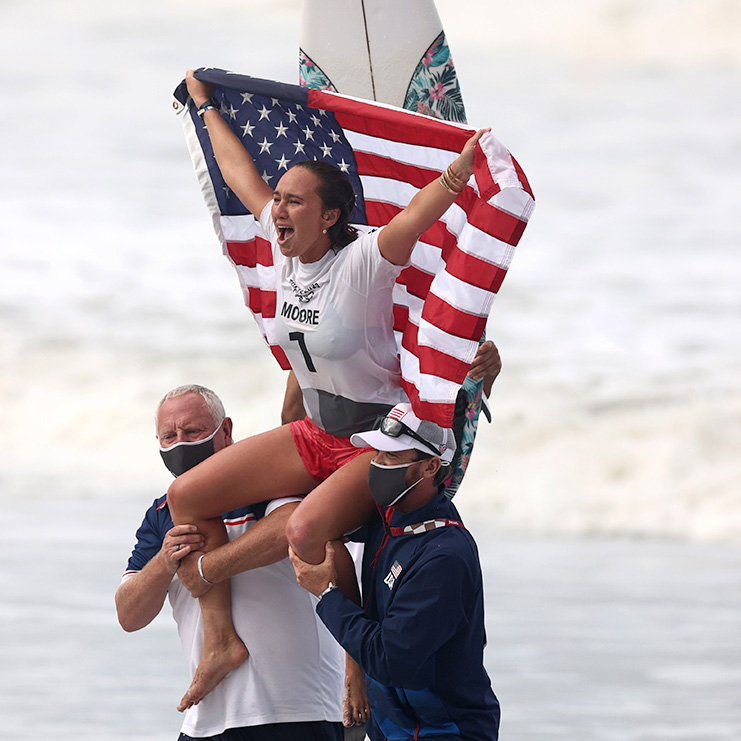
{"x":396,"y":428}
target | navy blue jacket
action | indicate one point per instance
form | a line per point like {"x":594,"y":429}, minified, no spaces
{"x":420,"y":638}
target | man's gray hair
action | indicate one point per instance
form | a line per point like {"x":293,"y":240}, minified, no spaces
{"x":212,"y":401}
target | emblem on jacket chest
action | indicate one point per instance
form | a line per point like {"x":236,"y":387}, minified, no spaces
{"x":392,"y":575}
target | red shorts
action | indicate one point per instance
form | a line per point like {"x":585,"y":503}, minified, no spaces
{"x":322,"y":453}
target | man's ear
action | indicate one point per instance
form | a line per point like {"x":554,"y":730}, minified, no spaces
{"x":431,"y":467}
{"x":227,"y":426}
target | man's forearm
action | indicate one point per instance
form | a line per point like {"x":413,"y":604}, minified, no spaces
{"x":263,"y":544}
{"x":139,"y":599}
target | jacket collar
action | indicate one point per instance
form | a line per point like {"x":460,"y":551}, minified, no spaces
{"x":438,"y":512}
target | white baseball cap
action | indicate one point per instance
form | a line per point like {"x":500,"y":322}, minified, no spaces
{"x":402,"y":429}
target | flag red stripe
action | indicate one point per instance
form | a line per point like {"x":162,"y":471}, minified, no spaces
{"x":390,"y":124}
{"x":373,"y":165}
{"x":487,"y":187}
{"x":444,"y":365}
{"x":261,"y":302}
{"x":495,"y":222}
{"x":379,"y":213}
{"x":251,"y":253}
{"x":451,"y":320}
{"x":439,"y":413}
{"x":474,"y":271}
{"x":280,"y":356}
{"x":522,"y":178}
{"x":401,"y":317}
{"x":416,"y":281}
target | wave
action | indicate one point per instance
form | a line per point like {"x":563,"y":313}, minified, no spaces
{"x":652,"y":463}
{"x":558,"y":459}
{"x":615,"y":31}
{"x":618,"y":409}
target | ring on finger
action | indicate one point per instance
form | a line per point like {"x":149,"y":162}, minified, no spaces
{"x":177,"y":547}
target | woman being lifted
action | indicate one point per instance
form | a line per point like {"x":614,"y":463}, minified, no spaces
{"x":334,"y":321}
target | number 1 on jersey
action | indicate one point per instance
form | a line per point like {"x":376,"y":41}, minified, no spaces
{"x":299,"y":337}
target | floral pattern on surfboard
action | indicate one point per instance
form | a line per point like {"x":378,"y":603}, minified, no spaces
{"x":434,"y":89}
{"x":310,"y":75}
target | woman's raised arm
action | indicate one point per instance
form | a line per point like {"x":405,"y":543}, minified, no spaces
{"x":235,"y":162}
{"x":397,"y":240}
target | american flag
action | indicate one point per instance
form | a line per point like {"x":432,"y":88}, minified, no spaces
{"x":442,"y":300}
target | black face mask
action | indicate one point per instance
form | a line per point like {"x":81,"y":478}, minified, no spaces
{"x":387,"y":483}
{"x":181,"y":457}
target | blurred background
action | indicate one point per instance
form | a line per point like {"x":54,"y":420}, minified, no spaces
{"x":611,"y":467}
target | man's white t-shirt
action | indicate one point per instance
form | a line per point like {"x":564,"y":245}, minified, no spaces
{"x":295,"y":668}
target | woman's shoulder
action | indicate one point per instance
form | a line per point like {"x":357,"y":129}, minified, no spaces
{"x":364,"y":246}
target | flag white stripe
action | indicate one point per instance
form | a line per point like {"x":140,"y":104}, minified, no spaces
{"x":514,"y":201}
{"x":240,"y":228}
{"x":434,"y":389}
{"x":461,"y":295}
{"x":403,"y":298}
{"x":261,"y":276}
{"x":387,"y":190}
{"x":438,"y":339}
{"x":499,"y":162}
{"x":417,"y":155}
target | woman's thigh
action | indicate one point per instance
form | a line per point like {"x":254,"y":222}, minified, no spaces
{"x":261,"y":467}
{"x":335,"y":507}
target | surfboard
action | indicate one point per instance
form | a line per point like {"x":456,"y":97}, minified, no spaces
{"x":382,"y":50}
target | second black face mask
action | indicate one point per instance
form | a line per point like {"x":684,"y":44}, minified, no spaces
{"x":388,"y":483}
{"x":181,"y":457}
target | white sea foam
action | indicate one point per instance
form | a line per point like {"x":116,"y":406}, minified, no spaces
{"x":619,"y":409}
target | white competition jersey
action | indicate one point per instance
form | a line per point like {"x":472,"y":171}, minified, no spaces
{"x":334,"y":320}
{"x":295,"y":668}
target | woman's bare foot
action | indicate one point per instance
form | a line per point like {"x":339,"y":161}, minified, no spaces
{"x":215,"y":664}
{"x":354,"y":700}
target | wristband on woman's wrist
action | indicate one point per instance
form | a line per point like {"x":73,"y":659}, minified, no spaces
{"x":209,"y":104}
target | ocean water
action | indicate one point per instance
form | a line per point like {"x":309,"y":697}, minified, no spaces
{"x":595,"y":639}
{"x":606,"y":495}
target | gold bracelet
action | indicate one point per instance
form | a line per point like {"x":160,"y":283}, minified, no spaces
{"x":447,"y":186}
{"x":453,"y":179}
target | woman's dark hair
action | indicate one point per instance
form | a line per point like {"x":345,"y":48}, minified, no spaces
{"x":335,"y":191}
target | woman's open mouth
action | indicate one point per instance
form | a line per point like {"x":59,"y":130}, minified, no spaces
{"x":284,"y":233}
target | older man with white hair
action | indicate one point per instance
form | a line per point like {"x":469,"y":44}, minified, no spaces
{"x":290,"y":686}
{"x":419,"y":637}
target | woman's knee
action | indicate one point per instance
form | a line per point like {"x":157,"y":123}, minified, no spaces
{"x":181,"y":498}
{"x":306,"y":535}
